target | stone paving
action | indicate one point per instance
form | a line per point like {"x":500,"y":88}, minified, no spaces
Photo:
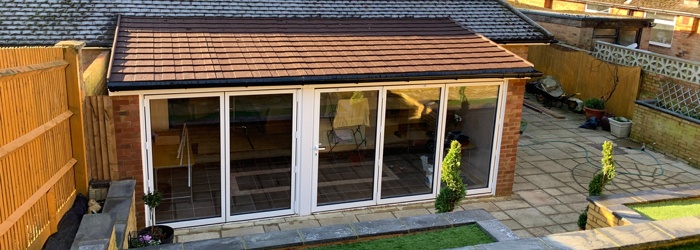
{"x":549,"y":191}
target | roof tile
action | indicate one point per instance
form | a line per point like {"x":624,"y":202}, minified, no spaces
{"x":302,"y":47}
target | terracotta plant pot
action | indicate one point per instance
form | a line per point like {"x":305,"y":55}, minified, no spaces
{"x":598,"y":113}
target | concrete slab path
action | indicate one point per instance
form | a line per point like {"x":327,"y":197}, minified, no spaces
{"x":555,"y":162}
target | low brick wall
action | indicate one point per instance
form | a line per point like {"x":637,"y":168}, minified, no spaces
{"x":666,"y":132}
{"x":611,"y":210}
{"x":601,"y":217}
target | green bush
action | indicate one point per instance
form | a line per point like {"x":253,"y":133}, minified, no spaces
{"x":600,"y":179}
{"x":454,"y":189}
{"x":594,"y":103}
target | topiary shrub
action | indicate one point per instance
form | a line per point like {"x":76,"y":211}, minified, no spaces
{"x":600,"y":179}
{"x":454,"y":189}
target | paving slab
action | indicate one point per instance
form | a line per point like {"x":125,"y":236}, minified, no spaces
{"x":521,"y":244}
{"x":512,"y":204}
{"x":326,"y":234}
{"x":242,"y":231}
{"x":538,"y":198}
{"x":587,"y":239}
{"x":466,"y":217}
{"x":544,"y":181}
{"x":298,"y":224}
{"x":379,"y":227}
{"x":275,"y":239}
{"x":411,"y":212}
{"x":337,"y":220}
{"x":681,"y":227}
{"x":198,"y":236}
{"x":425,"y":222}
{"x":216,"y":244}
{"x":530,"y":217}
{"x":634,"y":234}
{"x":497,"y":230}
{"x":375,"y":216}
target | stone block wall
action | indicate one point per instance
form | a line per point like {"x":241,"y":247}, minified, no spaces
{"x":667,"y":133}
{"x":510,"y":137}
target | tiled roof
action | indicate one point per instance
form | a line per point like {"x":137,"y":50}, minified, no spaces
{"x":153,"y":52}
{"x":669,"y":5}
{"x":45,"y":22}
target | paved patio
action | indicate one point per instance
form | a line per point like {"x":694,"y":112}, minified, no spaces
{"x":549,"y":191}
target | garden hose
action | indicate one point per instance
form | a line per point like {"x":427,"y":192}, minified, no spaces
{"x":588,"y":159}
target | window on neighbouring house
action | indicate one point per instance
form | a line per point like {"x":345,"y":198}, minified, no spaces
{"x":594,"y":8}
{"x":662,"y":32}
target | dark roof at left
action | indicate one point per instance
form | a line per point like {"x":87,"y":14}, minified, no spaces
{"x":45,"y":22}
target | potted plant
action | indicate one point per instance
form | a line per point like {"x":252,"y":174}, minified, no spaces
{"x":156,"y":234}
{"x":594,"y":107}
{"x":620,"y":127}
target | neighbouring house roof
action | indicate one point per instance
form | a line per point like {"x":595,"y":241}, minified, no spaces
{"x":154,"y":53}
{"x":45,"y":22}
{"x":649,"y":5}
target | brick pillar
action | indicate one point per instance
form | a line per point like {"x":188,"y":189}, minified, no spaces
{"x":127,"y":128}
{"x":510,"y":137}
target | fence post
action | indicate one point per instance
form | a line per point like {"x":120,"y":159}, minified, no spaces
{"x":71,"y":53}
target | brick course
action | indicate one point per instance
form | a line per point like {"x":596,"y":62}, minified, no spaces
{"x":510,"y":137}
{"x":666,"y":133}
{"x":127,"y":126}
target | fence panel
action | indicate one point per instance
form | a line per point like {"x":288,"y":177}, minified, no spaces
{"x":582,"y":73}
{"x":101,"y":144}
{"x":37,"y":179}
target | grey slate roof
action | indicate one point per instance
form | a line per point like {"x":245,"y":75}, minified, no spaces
{"x":45,"y":22}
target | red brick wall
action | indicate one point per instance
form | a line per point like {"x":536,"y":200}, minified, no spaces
{"x":685,"y":42}
{"x":520,"y":50}
{"x":127,"y":126}
{"x":511,"y":135}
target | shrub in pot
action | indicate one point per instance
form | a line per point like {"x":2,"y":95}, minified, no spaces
{"x":594,"y":107}
{"x":156,"y":234}
{"x":600,"y":179}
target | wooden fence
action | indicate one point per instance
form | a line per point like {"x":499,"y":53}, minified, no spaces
{"x":42,"y":164}
{"x":582,"y":73}
{"x":100,"y":140}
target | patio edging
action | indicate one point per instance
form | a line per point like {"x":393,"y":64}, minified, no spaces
{"x":357,"y":230}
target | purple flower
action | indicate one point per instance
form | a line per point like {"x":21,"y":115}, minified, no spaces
{"x":146,"y":238}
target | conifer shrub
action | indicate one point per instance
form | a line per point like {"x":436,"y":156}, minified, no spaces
{"x":454,"y":189}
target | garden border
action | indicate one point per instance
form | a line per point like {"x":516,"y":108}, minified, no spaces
{"x":358,"y":230}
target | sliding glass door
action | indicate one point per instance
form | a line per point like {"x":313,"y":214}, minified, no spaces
{"x":184,"y":142}
{"x":345,"y":169}
{"x":261,"y":128}
{"x":411,"y":117}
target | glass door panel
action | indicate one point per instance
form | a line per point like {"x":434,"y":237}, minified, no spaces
{"x":471,"y":120}
{"x":346,"y":157}
{"x":261,"y":152}
{"x":186,"y":157}
{"x":410,"y":128}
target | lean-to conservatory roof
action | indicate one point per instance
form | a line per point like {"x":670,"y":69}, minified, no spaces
{"x":152,"y":53}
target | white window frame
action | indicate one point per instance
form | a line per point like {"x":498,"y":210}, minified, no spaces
{"x":664,"y":22}
{"x":607,"y":11}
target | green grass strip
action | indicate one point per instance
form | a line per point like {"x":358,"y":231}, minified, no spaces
{"x":439,"y":239}
{"x":668,"y":209}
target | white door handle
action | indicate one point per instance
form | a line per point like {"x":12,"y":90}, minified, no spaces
{"x":319,"y":148}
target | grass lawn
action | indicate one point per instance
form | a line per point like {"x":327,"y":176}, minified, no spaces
{"x":668,"y":209}
{"x":438,"y":239}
